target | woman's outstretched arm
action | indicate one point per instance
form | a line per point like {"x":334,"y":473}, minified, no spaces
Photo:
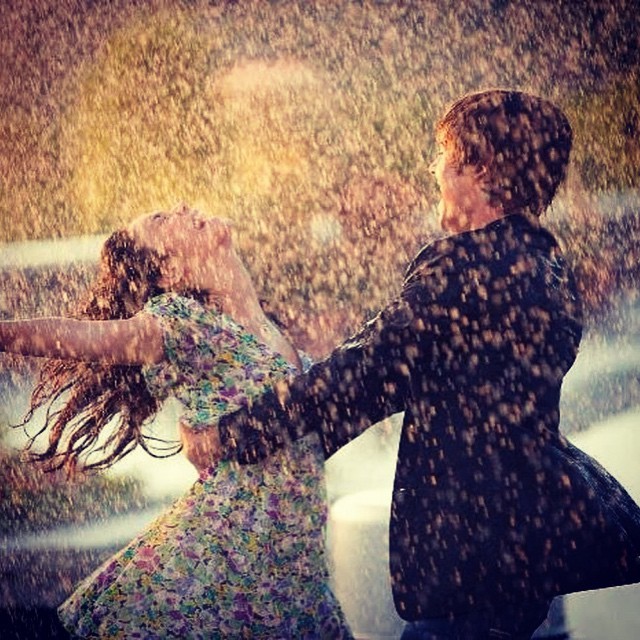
{"x":136,"y":340}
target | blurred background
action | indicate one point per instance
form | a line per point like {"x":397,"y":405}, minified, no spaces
{"x":310,"y":124}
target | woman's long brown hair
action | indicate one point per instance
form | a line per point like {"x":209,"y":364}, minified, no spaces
{"x":96,"y":414}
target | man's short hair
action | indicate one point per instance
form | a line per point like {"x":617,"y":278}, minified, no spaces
{"x":522,"y":141}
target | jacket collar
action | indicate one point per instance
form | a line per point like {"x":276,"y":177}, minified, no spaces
{"x":516,"y":221}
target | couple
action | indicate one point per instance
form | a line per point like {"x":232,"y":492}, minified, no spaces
{"x":494,"y":513}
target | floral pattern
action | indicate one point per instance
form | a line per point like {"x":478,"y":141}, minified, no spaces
{"x":213,"y":365}
{"x":241,"y":555}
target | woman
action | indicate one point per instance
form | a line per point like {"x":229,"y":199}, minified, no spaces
{"x":174,"y":313}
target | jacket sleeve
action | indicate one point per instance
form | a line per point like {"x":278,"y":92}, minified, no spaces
{"x":363,"y":381}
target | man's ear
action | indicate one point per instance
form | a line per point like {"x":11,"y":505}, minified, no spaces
{"x":481,"y":171}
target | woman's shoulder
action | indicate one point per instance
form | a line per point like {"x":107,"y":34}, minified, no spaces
{"x":187,"y":324}
{"x":175,"y":305}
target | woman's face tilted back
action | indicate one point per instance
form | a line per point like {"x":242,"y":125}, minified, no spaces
{"x":195,"y":249}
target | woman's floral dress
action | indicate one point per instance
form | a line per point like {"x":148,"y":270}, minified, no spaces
{"x":241,"y":555}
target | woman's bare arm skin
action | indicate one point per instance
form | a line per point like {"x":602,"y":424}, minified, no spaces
{"x":136,"y":340}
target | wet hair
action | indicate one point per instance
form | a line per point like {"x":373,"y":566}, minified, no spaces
{"x":523,"y":142}
{"x":96,"y":414}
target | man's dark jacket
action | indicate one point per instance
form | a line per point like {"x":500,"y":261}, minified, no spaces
{"x":491,"y":505}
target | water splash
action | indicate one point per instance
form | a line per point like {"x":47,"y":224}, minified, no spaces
{"x":310,"y":124}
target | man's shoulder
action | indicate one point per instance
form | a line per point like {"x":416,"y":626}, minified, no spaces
{"x":438,"y":251}
{"x":501,"y":242}
{"x":452,"y":252}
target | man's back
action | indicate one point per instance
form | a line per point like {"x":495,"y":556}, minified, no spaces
{"x":489,"y":508}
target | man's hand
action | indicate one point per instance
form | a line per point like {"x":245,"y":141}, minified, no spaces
{"x":202,"y":448}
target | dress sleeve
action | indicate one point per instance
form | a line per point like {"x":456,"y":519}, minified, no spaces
{"x":188,"y":335}
{"x":192,"y":346}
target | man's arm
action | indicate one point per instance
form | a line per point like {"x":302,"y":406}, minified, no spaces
{"x":363,"y":381}
{"x":370,"y":377}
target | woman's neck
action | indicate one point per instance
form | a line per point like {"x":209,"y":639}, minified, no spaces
{"x":244,"y":309}
{"x":239,"y":299}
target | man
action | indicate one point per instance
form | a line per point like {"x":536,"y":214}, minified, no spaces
{"x":494,"y":512}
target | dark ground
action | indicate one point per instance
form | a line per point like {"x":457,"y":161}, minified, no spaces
{"x":33,"y":623}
